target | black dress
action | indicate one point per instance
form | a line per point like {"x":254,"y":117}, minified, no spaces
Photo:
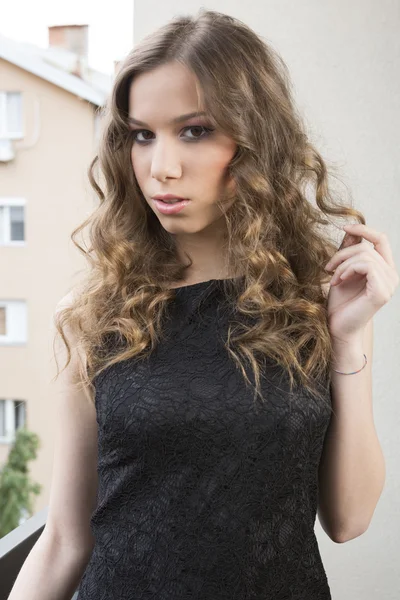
{"x":201,"y":495}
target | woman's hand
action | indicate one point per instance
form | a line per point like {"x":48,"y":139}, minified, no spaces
{"x":365,"y":279}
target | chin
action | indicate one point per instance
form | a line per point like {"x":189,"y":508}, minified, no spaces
{"x":178,"y":226}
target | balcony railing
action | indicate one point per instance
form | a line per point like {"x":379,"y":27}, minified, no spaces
{"x":15,"y":547}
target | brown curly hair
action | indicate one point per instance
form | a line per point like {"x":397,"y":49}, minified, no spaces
{"x":277,"y":236}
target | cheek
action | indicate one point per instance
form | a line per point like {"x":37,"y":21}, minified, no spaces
{"x":213,"y":165}
{"x":133,"y":158}
{"x":137,"y":165}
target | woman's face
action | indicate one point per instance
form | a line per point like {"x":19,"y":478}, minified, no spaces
{"x":179,"y":158}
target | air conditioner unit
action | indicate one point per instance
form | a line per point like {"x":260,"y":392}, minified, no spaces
{"x":6,"y":150}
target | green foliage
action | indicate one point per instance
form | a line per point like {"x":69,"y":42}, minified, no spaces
{"x":16,"y":488}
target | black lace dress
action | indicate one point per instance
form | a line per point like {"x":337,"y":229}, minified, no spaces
{"x":202,"y":495}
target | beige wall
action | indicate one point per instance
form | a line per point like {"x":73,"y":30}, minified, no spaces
{"x":49,"y":171}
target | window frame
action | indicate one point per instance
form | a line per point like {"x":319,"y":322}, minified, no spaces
{"x":9,"y":419}
{"x":10,"y":135}
{"x":9,"y":339}
{"x":6,"y":203}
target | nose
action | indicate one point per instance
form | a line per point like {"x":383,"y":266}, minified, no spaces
{"x":165,"y":161}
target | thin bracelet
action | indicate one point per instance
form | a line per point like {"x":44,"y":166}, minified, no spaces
{"x":353,"y":371}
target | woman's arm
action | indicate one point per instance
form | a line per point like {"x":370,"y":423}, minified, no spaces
{"x":51,"y":571}
{"x":352,"y":466}
{"x":57,"y":561}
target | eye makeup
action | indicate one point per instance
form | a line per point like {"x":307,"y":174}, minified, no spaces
{"x":207,"y":131}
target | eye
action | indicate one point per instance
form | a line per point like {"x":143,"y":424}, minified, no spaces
{"x":136,"y":132}
{"x":206,"y":130}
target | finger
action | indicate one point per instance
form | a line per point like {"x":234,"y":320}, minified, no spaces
{"x":345,"y":251}
{"x":377,"y":238}
{"x":364,"y":252}
{"x":382,"y":288}
{"x":350,"y":240}
{"x":365,"y":258}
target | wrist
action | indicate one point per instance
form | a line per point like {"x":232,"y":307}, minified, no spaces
{"x":348,"y":355}
{"x":351,"y":343}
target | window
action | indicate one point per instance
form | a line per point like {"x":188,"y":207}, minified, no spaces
{"x":12,"y":221}
{"x":12,"y":418}
{"x":11,"y":115}
{"x":2,"y":320}
{"x":19,"y":413}
{"x":13,"y":322}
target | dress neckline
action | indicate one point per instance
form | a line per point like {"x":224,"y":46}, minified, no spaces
{"x":200,"y":284}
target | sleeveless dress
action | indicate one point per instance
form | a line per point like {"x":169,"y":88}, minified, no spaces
{"x":204,"y":494}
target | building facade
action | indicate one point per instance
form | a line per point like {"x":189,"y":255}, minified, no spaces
{"x":50,"y":103}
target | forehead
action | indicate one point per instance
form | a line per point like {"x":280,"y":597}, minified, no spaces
{"x":166,"y":91}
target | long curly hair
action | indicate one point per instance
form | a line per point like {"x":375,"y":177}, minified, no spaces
{"x":277,"y":228}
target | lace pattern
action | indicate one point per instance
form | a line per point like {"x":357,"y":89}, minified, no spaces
{"x":201,"y":495}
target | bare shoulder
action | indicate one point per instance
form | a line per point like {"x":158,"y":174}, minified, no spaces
{"x":77,"y":353}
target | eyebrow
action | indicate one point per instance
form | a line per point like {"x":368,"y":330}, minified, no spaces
{"x":173,"y":121}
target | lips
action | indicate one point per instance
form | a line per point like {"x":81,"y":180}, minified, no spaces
{"x":171,"y":208}
{"x":168,"y":198}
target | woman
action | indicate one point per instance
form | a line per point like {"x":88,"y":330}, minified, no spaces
{"x":209,"y":483}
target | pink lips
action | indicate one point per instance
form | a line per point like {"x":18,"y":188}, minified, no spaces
{"x":170,"y":209}
{"x":168,"y":197}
